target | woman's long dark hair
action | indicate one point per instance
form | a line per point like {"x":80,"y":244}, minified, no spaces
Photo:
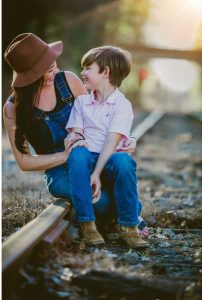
{"x":25,"y":98}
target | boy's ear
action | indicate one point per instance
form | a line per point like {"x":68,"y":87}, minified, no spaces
{"x":106,"y":71}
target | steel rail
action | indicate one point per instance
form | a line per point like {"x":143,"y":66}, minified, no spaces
{"x":148,"y":122}
{"x":20,"y":243}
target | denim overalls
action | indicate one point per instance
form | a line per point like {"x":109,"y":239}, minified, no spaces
{"x":72,"y":179}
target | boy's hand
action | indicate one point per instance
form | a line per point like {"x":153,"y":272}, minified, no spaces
{"x":95,"y":184}
{"x":130,"y":147}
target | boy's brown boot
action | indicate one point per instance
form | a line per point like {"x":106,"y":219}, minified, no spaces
{"x":130,"y":236}
{"x":90,"y":234}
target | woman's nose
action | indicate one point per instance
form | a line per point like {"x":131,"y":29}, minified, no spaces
{"x":56,"y":70}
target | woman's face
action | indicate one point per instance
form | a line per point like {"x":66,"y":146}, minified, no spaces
{"x":50,"y":74}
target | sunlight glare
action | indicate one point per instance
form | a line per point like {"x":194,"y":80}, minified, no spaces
{"x":171,"y":28}
{"x":196,"y":3}
{"x":177,"y":75}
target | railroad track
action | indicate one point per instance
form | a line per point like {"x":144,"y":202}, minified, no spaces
{"x":52,"y":222}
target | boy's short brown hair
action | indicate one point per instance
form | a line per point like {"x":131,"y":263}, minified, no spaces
{"x":118,"y":61}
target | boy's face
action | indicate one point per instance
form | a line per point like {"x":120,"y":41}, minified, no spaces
{"x":91,"y":77}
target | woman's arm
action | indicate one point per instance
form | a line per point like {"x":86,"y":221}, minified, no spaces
{"x":75,"y":84}
{"x":28,"y":162}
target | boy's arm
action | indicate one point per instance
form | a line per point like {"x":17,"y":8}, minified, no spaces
{"x":75,"y":123}
{"x":120,"y":126}
{"x":109,"y":147}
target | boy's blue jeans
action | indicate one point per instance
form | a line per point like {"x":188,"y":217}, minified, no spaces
{"x":119,"y":186}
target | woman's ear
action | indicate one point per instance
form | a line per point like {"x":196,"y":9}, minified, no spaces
{"x":106,"y":71}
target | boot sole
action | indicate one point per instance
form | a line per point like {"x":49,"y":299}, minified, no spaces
{"x":139,"y":246}
{"x":94,"y":244}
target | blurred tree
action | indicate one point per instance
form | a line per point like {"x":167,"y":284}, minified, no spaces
{"x":42,"y":17}
{"x":198,"y":43}
{"x":127,"y":22}
{"x":80,"y":24}
{"x":118,"y":23}
{"x":35,"y":15}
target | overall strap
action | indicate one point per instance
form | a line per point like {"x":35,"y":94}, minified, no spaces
{"x":64,"y":92}
{"x":39,"y":114}
{"x":63,"y":88}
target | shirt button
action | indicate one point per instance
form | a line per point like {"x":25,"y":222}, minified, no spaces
{"x":47,"y":118}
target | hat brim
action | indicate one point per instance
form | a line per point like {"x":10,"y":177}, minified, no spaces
{"x":36,"y":71}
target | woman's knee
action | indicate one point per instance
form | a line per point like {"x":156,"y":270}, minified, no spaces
{"x":61,"y":189}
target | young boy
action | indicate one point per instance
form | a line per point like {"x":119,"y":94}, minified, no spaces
{"x":105,"y":118}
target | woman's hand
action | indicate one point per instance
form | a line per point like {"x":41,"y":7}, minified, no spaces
{"x":79,"y":143}
{"x":129,"y":147}
{"x":68,"y":146}
{"x":72,"y":137}
{"x":74,"y":140}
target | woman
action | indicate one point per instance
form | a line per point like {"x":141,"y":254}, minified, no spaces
{"x":36,"y":113}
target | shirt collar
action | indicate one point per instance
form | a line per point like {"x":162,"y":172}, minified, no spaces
{"x":111,"y":99}
{"x":114,"y":96}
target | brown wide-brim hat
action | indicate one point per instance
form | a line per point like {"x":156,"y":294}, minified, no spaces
{"x":30,"y":58}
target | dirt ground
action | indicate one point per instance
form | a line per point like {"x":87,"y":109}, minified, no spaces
{"x":169,"y":159}
{"x":169,"y":172}
{"x":24,"y":194}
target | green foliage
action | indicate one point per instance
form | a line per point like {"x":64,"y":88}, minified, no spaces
{"x":127,"y":21}
{"x":199,"y":37}
{"x":81,"y":25}
{"x":117,"y":23}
